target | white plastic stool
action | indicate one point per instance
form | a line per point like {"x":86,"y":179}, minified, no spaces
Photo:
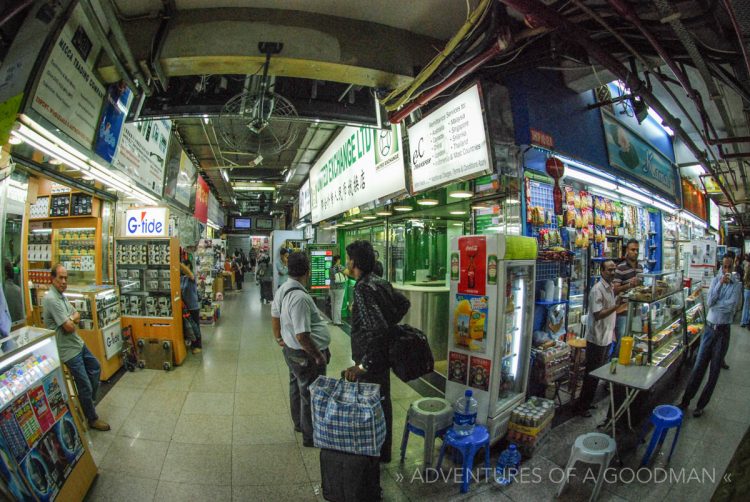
{"x":592,"y":448}
{"x":427,"y":417}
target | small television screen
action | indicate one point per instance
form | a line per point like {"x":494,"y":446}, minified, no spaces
{"x":243,"y":223}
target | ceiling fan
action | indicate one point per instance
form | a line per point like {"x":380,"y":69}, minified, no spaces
{"x":260,"y":121}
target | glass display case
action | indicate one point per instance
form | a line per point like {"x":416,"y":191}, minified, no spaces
{"x":577,"y":291}
{"x":656,"y":318}
{"x":656,"y":285}
{"x":670,"y":240}
{"x":75,"y":248}
{"x":695,"y":316}
{"x":99,"y":307}
{"x":42,"y":454}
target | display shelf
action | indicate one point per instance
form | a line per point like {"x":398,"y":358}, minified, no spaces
{"x":149,"y":280}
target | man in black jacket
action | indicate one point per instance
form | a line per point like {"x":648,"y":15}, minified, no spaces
{"x":377,"y":307}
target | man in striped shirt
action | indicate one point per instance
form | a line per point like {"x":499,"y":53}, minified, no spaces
{"x":626,"y":278}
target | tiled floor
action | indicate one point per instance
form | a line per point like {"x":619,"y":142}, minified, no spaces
{"x":218,"y":428}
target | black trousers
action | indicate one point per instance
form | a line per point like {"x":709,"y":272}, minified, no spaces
{"x":302,"y":373}
{"x":195,"y":315}
{"x":383,"y":378}
{"x":712,"y":350}
{"x":596,"y":356}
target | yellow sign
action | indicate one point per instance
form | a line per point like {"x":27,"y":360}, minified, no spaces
{"x":8,"y":114}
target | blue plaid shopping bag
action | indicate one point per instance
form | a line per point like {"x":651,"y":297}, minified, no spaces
{"x":347,"y":416}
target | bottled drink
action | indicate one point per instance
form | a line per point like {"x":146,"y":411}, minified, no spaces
{"x":465,"y":414}
{"x":508,"y":465}
{"x":471,"y":273}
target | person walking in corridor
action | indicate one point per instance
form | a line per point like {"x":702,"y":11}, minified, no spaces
{"x":377,"y":307}
{"x":723,"y":298}
{"x":300,"y":329}
{"x":337,"y":276}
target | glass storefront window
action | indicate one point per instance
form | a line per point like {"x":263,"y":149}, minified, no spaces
{"x":13,"y":192}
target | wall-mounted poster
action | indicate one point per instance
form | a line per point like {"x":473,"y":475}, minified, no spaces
{"x":470,"y":322}
{"x":458,"y":367}
{"x":142,"y":153}
{"x":113,"y":117}
{"x":479,"y":373}
{"x":473,"y":263}
{"x":635,"y":158}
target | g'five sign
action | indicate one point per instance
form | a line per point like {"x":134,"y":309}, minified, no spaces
{"x":147,"y":222}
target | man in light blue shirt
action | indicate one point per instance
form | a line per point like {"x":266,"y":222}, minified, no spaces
{"x":723,"y":299}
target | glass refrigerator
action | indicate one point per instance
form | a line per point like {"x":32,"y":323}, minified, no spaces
{"x":491,"y":316}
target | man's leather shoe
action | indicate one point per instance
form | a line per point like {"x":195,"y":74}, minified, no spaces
{"x":697,"y":412}
{"x":99,"y":425}
{"x":724,"y":366}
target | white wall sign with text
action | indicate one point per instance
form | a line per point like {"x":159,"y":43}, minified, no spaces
{"x":147,"y":222}
{"x":69,"y":95}
{"x":142,"y":153}
{"x":450,"y":143}
{"x":304,"y":199}
{"x":360,"y":165}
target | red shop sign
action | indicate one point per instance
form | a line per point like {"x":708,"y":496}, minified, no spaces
{"x":201,"y":200}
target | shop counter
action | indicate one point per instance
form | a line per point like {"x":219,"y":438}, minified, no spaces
{"x":429,"y":312}
{"x":44,"y":455}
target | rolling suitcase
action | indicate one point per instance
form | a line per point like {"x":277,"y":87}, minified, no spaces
{"x":346,"y":477}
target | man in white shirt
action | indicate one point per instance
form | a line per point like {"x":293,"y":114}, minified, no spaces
{"x":301,"y":330}
{"x":600,"y":332}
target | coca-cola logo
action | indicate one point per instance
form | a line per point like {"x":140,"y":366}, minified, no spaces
{"x":472,"y":248}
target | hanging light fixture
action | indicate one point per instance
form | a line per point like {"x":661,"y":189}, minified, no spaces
{"x":428,"y":202}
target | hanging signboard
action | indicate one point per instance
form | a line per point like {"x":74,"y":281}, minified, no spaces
{"x":304,"y":199}
{"x":179,"y":175}
{"x":450,"y":143}
{"x":359,"y":166}
{"x":215,"y":212}
{"x":113,"y":117}
{"x":693,"y":200}
{"x":637,"y":159}
{"x":69,"y":95}
{"x":142,"y":153}
{"x":201,"y":200}
{"x":147,"y":222}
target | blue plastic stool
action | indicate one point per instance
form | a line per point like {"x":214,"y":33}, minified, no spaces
{"x":663,"y":417}
{"x":468,"y":446}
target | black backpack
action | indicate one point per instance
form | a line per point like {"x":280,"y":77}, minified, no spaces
{"x":409,"y":353}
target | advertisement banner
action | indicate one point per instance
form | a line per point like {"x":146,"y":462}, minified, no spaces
{"x":470,"y":323}
{"x":304,"y":199}
{"x":635,"y":158}
{"x":69,"y":95}
{"x":450,"y":143}
{"x":112,"y":338}
{"x":179,"y":175}
{"x":473,"y":263}
{"x":142,"y":153}
{"x":693,"y":200}
{"x":479,"y":373}
{"x":201,"y":200}
{"x":359,"y":166}
{"x":458,"y":367}
{"x":113,"y":117}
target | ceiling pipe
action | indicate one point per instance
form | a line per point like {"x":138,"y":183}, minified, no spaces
{"x":495,"y":50}
{"x":738,"y":31}
{"x":575,"y":34}
{"x":88,"y":10}
{"x":19,"y":8}
{"x":122,"y":42}
{"x":736,"y":139}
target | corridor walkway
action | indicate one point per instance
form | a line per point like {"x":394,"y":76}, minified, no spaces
{"x":218,"y":429}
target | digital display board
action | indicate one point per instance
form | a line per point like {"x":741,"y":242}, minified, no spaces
{"x":320,"y":266}
{"x":243,"y":223}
